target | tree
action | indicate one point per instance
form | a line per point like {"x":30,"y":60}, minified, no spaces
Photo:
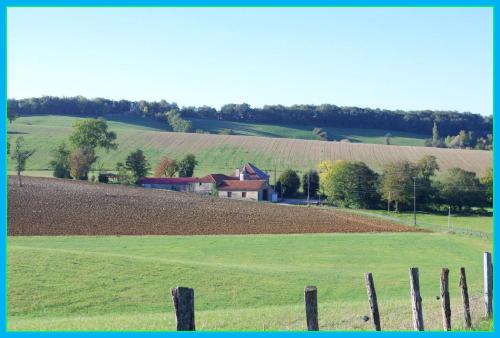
{"x":136,"y":162}
{"x":388,"y":139}
{"x":187,"y":165}
{"x":21,"y":155}
{"x":487,"y":182}
{"x":353,"y":185}
{"x":86,"y":137}
{"x":12,"y":110}
{"x":166,"y":168}
{"x":435,"y":135}
{"x":289,"y":183}
{"x":177,"y":123}
{"x":326,"y":169}
{"x":310,"y":181}
{"x":426,"y":169}
{"x":397,"y":182}
{"x":92,"y":134}
{"x":60,"y":163}
{"x":80,"y":163}
{"x":459,"y":188}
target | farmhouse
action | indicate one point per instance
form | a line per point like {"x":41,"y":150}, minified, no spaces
{"x":247,"y":183}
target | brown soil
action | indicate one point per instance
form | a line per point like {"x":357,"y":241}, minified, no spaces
{"x":44,"y":206}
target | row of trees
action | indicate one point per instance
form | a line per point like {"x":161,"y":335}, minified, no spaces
{"x":450,"y":122}
{"x":464,"y":139}
{"x":355,"y":185}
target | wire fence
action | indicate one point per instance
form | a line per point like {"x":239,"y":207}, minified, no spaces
{"x":428,"y":225}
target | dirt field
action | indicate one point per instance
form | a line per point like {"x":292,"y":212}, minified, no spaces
{"x":45,"y":206}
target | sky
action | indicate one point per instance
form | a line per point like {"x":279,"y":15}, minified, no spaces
{"x":391,"y":58}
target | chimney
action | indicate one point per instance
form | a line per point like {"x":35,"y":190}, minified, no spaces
{"x":237,"y":173}
{"x":242,"y":176}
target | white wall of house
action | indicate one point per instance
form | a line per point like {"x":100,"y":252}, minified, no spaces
{"x":240,"y":195}
{"x":202,"y":188}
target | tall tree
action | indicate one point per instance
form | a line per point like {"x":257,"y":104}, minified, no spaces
{"x":435,"y":135}
{"x":310,"y":182}
{"x":136,"y":162}
{"x":92,"y":134}
{"x":487,"y":182}
{"x":397,"y":182}
{"x":187,"y":165}
{"x":460,"y":188}
{"x":20,"y":156}
{"x":427,"y":166}
{"x":12,"y":110}
{"x":354,"y":185}
{"x":289,"y":183}
{"x":87,"y":136}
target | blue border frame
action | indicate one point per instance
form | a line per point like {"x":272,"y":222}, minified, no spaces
{"x":221,"y":3}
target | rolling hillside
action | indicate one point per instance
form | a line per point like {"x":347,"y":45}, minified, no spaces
{"x":222,"y":153}
{"x":359,"y":135}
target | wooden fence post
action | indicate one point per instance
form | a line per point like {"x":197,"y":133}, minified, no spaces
{"x":418,"y":320}
{"x":184,"y":308}
{"x":465,"y":299}
{"x":445,"y":299}
{"x":372,"y":299}
{"x":488,"y":285}
{"x":311,"y":299}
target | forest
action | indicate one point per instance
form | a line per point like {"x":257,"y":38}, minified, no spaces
{"x":422,"y":121}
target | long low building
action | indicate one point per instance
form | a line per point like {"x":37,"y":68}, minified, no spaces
{"x":247,"y":183}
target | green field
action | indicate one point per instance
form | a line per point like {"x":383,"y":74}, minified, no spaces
{"x":438,"y":222}
{"x":240,"y":282}
{"x":359,"y":135}
{"x":221,"y":153}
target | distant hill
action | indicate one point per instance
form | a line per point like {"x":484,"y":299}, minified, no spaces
{"x":223,"y":153}
{"x":324,"y":115}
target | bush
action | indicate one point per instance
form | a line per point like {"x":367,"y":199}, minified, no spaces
{"x":103,"y":178}
{"x":288,"y":183}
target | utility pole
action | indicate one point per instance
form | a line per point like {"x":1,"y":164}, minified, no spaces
{"x":308,"y":183}
{"x":414,"y":201}
{"x":389,"y":204}
{"x":449,"y":217}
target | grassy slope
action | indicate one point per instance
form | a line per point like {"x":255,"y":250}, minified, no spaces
{"x":241,"y":282}
{"x":375,"y":136}
{"x":222,"y":153}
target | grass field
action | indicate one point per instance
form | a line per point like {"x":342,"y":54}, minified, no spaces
{"x":223,"y":153}
{"x":359,"y":135}
{"x":438,"y":222}
{"x":251,"y":282}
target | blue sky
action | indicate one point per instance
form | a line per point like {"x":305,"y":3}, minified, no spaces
{"x":394,"y":58}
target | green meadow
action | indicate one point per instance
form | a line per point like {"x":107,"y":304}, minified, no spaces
{"x":357,"y":135}
{"x":241,"y":282}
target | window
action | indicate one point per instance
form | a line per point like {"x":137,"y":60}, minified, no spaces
{"x":229,"y":194}
{"x":244,"y":194}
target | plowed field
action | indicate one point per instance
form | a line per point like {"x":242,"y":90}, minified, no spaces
{"x":44,"y":206}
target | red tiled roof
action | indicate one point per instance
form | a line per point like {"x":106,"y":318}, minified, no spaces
{"x":216,"y":178}
{"x":168,"y":180}
{"x":248,"y":185}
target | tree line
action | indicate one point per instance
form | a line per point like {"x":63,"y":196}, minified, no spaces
{"x":355,"y":185}
{"x":463,"y":140}
{"x":422,"y":121}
